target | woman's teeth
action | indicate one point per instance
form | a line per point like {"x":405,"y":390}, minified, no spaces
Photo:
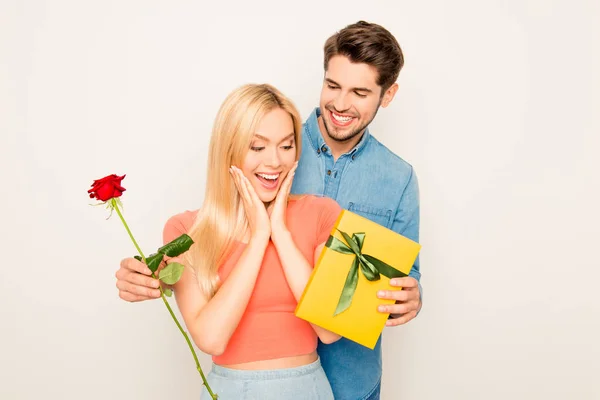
{"x":269,"y":177}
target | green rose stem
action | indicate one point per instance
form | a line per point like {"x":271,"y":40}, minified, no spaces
{"x":115,"y":206}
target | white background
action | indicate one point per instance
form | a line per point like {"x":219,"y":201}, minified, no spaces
{"x":498,"y":111}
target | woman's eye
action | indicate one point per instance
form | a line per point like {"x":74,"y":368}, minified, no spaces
{"x":288,"y":147}
{"x":255,"y":148}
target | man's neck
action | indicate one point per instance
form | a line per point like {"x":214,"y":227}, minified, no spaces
{"x":338,"y":148}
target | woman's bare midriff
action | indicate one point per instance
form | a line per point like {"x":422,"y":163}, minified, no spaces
{"x":276,"y":363}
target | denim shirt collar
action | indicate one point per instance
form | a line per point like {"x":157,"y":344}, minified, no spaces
{"x":316,"y":138}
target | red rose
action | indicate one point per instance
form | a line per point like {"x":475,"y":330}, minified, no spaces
{"x":106,"y":188}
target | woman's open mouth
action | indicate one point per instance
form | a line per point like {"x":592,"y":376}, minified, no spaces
{"x":268,"y":181}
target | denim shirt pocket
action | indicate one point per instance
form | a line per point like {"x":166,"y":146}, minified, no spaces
{"x":378,"y":215}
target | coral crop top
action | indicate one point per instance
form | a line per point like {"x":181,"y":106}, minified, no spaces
{"x":268,"y":328}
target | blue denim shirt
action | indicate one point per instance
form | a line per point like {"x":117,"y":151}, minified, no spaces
{"x":373,"y":182}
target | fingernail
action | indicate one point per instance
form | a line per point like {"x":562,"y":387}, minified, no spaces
{"x":381,"y":293}
{"x":381,"y":308}
{"x":393,"y":282}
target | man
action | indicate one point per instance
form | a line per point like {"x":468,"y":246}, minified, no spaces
{"x":340,"y":159}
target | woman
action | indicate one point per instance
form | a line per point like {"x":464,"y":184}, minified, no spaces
{"x":254,"y":250}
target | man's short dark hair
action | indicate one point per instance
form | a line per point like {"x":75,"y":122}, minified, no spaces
{"x":368,"y":43}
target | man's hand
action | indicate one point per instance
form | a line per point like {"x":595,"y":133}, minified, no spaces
{"x":135,"y":282}
{"x":408,"y":300}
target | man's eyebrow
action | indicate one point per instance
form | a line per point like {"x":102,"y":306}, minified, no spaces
{"x":266,"y":139}
{"x":358,"y":89}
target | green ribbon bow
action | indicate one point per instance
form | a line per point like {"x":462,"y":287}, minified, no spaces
{"x":370,"y":266}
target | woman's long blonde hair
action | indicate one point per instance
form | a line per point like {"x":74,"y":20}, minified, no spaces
{"x":221,"y":220}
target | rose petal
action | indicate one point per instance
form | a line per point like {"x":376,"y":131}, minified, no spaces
{"x":107,"y":188}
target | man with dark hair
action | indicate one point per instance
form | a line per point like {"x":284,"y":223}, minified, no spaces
{"x":342,"y":160}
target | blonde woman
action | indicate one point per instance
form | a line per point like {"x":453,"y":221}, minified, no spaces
{"x":254,"y":251}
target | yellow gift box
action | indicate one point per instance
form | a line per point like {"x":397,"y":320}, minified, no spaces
{"x":357,"y":250}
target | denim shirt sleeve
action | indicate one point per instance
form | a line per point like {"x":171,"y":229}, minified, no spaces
{"x":407,"y":218}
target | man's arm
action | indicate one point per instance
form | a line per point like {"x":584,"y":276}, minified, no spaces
{"x":408,"y":294}
{"x":135,"y":282}
{"x":134,"y":278}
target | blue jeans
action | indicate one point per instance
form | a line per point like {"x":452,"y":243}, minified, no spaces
{"x":307,"y":382}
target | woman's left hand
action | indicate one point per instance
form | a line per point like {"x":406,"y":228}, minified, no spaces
{"x":279,"y":205}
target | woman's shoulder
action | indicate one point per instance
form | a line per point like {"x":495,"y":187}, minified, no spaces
{"x":316,"y":205}
{"x":180,"y":223}
{"x":313,"y":200}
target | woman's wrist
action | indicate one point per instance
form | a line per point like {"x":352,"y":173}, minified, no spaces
{"x":260,"y":238}
{"x":280,"y":236}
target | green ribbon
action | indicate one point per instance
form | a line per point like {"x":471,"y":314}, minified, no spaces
{"x":370,"y":266}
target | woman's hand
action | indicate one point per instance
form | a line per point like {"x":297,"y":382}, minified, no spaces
{"x":256,"y":213}
{"x":278,"y":207}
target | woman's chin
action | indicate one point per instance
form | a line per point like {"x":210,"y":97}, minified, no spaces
{"x":267,"y":197}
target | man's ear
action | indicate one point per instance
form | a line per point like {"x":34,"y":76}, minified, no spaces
{"x":389,"y":94}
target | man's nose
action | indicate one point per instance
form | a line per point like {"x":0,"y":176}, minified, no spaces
{"x":341,"y":103}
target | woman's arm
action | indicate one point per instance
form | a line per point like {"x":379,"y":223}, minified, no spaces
{"x":211,"y":322}
{"x":297,"y":272}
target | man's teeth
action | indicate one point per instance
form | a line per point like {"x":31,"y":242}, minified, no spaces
{"x":269,"y":177}
{"x":340,"y":118}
